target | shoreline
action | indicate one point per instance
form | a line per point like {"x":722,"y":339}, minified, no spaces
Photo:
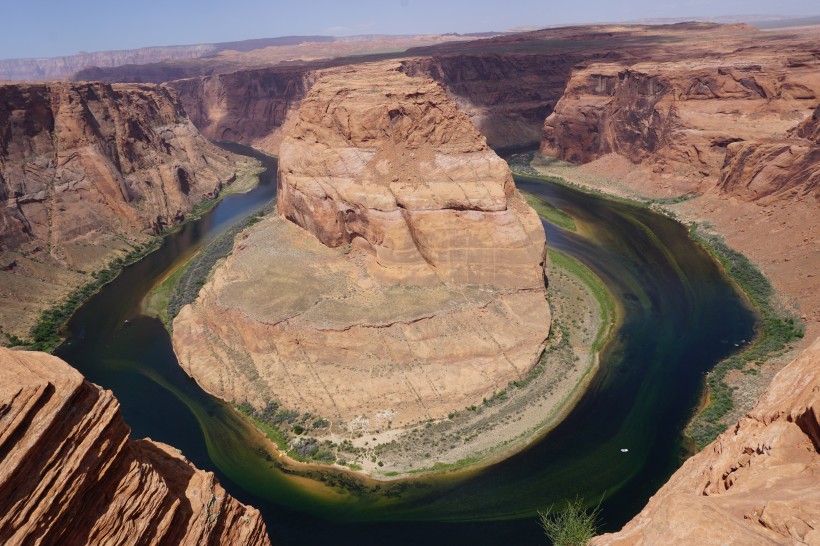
{"x":759,"y":357}
{"x":490,"y":432}
{"x":47,"y":334}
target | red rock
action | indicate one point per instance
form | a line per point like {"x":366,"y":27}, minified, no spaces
{"x":70,"y":475}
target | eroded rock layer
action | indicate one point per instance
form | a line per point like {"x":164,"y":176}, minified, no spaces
{"x":729,"y":122}
{"x":86,"y":170}
{"x":756,"y":484}
{"x":404,"y":281}
{"x":70,"y":475}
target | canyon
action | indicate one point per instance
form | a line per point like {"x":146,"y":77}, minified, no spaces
{"x":71,"y":475}
{"x":402,"y":279}
{"x":88,"y":173}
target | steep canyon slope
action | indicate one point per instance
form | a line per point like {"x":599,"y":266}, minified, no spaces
{"x":755,"y":484}
{"x":736,"y":132}
{"x":70,"y":475}
{"x":402,"y":280}
{"x":87,"y":171}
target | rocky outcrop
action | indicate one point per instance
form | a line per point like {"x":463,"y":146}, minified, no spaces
{"x":70,"y":475}
{"x":86,"y":171}
{"x":407,"y":281}
{"x":727,"y":122}
{"x":755,"y":484}
{"x":249,"y":106}
{"x":405,"y":176}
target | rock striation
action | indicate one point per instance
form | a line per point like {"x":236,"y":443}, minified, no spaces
{"x":405,"y":176}
{"x":403,"y":279}
{"x":87,"y":171}
{"x":248,"y":106}
{"x":729,"y":122}
{"x":755,"y":484}
{"x":70,"y":475}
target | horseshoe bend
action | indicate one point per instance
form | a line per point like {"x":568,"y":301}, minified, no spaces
{"x":401,"y":278}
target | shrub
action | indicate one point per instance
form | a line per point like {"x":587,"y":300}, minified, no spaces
{"x":572,"y":526}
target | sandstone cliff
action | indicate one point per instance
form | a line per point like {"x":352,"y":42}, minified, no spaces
{"x":756,"y":484}
{"x":249,"y":106}
{"x":415,"y":287}
{"x":86,"y":171}
{"x":728,"y":121}
{"x":70,"y":475}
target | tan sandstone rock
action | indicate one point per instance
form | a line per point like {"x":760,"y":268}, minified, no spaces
{"x":757,"y":483}
{"x":86,"y":170}
{"x":416,"y":287}
{"x":70,"y":475}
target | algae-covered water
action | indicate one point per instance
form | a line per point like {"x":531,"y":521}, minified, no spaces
{"x":681,"y":315}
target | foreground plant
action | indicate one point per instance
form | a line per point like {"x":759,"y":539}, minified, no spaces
{"x":572,"y":526}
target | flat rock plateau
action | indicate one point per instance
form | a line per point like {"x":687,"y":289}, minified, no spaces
{"x":402,"y":280}
{"x":70,"y":475}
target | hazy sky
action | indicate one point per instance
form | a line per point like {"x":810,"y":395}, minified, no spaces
{"x":37,"y":28}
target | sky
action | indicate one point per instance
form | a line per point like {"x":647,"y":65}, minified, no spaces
{"x":45,"y":28}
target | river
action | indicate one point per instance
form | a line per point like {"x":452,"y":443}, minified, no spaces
{"x":681,"y":315}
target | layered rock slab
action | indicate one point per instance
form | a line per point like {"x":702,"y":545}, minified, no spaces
{"x":757,"y":483}
{"x":740,"y":124}
{"x":404,"y":279}
{"x":70,"y":475}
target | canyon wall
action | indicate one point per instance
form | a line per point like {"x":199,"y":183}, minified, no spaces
{"x":730,"y":122}
{"x":403,"y":279}
{"x":86,"y":172}
{"x":249,"y":106}
{"x":70,"y":475}
{"x":506,"y":95}
{"x":755,"y":484}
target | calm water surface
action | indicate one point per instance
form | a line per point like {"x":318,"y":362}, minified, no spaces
{"x":680,"y":317}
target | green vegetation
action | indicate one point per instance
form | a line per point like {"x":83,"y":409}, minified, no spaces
{"x":46,"y":333}
{"x":777,"y":330}
{"x":183,"y":285}
{"x":572,"y":526}
{"x":606,"y":302}
{"x":548,"y":212}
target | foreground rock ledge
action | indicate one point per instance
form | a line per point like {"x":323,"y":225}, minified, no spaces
{"x":406,"y":281}
{"x":757,"y":483}
{"x":70,"y":475}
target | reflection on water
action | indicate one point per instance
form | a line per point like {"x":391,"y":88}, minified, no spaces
{"x":681,"y":316}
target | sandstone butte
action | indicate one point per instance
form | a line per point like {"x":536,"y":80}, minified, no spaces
{"x":70,"y":475}
{"x":86,"y":171}
{"x":402,"y":280}
{"x":757,"y":483}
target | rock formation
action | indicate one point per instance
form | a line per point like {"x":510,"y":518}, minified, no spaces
{"x":85,"y":171}
{"x":248,"y":106}
{"x":757,"y":483}
{"x":728,"y":121}
{"x":70,"y":475}
{"x":415,"y":286}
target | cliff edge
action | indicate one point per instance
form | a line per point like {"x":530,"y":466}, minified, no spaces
{"x":70,"y":475}
{"x":89,"y":171}
{"x":755,"y":484}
